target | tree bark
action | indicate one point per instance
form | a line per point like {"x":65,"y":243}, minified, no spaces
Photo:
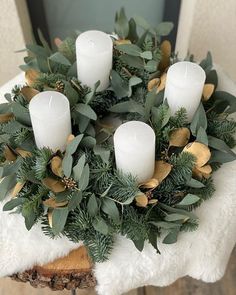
{"x":71,"y":272}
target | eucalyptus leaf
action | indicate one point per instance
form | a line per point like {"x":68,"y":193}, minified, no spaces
{"x":130,"y":49}
{"x":199,"y":120}
{"x":220,"y":145}
{"x":71,"y":94}
{"x":8,"y":97}
{"x":133,"y":81}
{"x":139,"y":244}
{"x":75,"y":200}
{"x":67,"y":164}
{"x":164,"y":28}
{"x":179,"y":211}
{"x":130,"y":106}
{"x":73,"y":145}
{"x":86,"y":111}
{"x":146,"y":55}
{"x":171,"y":238}
{"x":37,"y":50}
{"x":84,"y":179}
{"x":78,"y":168}
{"x":10,"y":205}
{"x":221,"y":157}
{"x":81,"y":120}
{"x":88,"y":142}
{"x":21,"y":113}
{"x":202,"y":136}
{"x":59,"y":217}
{"x":102,"y":152}
{"x":133,"y":61}
{"x":119,"y":86}
{"x":151,"y":66}
{"x":100,"y":225}
{"x":44,"y":42}
{"x":175,"y":217}
{"x":133,"y":35}
{"x":150,"y":102}
{"x":207,"y":63}
{"x":165,"y":225}
{"x":60,"y":59}
{"x":188,"y":200}
{"x":195,"y":183}
{"x":91,"y":95}
{"x":6,"y":184}
{"x":228,"y":99}
{"x":92,"y":206}
{"x":5,"y":108}
{"x":110,"y":208}
{"x":121,"y":24}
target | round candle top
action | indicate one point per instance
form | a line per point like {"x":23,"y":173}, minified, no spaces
{"x":92,"y":43}
{"x":49,"y":105}
{"x":134,"y":134}
{"x":185,"y":74}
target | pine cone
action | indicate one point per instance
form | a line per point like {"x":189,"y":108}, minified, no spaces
{"x":60,"y":86}
{"x":103,"y":101}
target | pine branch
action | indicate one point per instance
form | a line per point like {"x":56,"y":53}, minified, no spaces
{"x":42,"y":159}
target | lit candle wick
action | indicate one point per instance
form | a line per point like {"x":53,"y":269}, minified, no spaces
{"x":50,"y":102}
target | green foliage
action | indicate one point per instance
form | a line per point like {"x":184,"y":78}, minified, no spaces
{"x":101,"y":200}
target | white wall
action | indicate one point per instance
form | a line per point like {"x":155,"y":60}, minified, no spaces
{"x":15,"y":31}
{"x":209,"y":25}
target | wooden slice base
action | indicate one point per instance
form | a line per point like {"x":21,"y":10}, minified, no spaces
{"x":71,"y":272}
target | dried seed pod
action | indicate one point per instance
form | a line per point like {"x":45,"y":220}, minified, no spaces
{"x":54,"y":185}
{"x":70,"y":138}
{"x":4,"y":118}
{"x":204,"y":171}
{"x":152,"y":201}
{"x":56,"y":166}
{"x":31,"y":76}
{"x":9,"y":154}
{"x":23,"y":153}
{"x":162,"y":170}
{"x":163,"y":82}
{"x":52,"y":203}
{"x":200,"y":151}
{"x":150,"y":184}
{"x":208,"y":90}
{"x":153,"y":83}
{"x":141,"y":200}
{"x":18,"y":187}
{"x":122,"y":41}
{"x":166,"y":53}
{"x":179,"y":137}
{"x":29,"y":92}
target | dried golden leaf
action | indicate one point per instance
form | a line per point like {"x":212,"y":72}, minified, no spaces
{"x":6,"y":117}
{"x":141,"y":200}
{"x":50,"y":217}
{"x":204,"y":171}
{"x":150,"y":184}
{"x":122,"y":41}
{"x":162,"y":170}
{"x":163,"y":83}
{"x":23,"y":153}
{"x":58,"y":42}
{"x":70,"y":138}
{"x":54,"y":185}
{"x":152,"y":201}
{"x":18,"y":187}
{"x":53,"y":204}
{"x":29,"y":92}
{"x":9,"y":154}
{"x":56,"y":166}
{"x":208,"y":90}
{"x":179,"y":137}
{"x":31,"y":76}
{"x":153,"y":83}
{"x":200,"y":151}
{"x":166,"y":53}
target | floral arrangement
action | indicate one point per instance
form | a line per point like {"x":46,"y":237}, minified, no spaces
{"x":78,"y":191}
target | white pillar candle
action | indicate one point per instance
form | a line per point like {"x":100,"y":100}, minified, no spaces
{"x":134,"y":144}
{"x":184,"y":86}
{"x":51,"y":120}
{"x":94,"y":58}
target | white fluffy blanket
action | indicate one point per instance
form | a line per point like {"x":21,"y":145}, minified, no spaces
{"x":202,"y":254}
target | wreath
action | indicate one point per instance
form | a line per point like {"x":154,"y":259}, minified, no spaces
{"x":79,"y":193}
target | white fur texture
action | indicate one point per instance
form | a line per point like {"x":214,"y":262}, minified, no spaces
{"x":202,"y":254}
